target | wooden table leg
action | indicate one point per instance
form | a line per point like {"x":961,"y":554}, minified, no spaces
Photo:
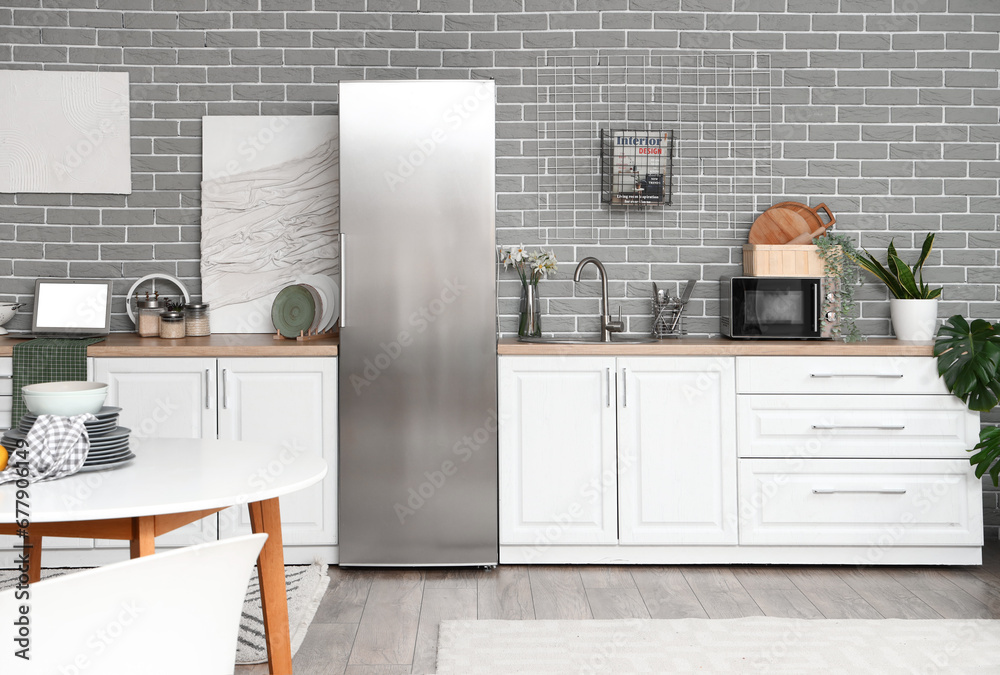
{"x":33,"y":549}
{"x":265,"y":517}
{"x":143,"y":541}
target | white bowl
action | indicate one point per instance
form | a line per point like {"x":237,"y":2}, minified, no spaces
{"x":64,"y":398}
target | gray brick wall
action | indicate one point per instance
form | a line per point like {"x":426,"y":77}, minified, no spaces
{"x":889,"y":114}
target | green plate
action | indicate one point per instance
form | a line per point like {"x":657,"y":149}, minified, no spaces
{"x":293,"y":311}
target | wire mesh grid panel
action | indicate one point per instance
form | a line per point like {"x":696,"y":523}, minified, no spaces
{"x":714,"y":108}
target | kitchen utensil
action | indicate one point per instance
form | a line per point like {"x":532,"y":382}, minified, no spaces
{"x":685,"y":296}
{"x":293,"y":311}
{"x":64,"y":398}
{"x":811,"y":214}
{"x":7,"y":312}
{"x":785,"y":221}
{"x":807,"y":238}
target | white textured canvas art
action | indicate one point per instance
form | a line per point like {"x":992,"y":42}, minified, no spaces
{"x":269,"y":212}
{"x":64,"y":132}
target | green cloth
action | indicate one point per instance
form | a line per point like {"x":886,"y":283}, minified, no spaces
{"x":47,"y":360}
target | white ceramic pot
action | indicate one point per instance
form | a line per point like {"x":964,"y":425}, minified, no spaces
{"x":914,"y":320}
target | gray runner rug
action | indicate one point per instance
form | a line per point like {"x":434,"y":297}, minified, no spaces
{"x":306,"y":586}
{"x":749,"y":645}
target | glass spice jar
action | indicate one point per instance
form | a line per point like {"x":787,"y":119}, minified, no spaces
{"x":148,"y":321}
{"x":196,"y":320}
{"x":172,"y":325}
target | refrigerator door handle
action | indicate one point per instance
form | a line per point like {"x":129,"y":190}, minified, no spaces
{"x":343,"y":279}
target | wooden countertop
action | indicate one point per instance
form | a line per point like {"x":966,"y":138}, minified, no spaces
{"x":720,"y":347}
{"x":217,"y":345}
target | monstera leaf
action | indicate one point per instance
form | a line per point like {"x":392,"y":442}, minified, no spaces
{"x":968,"y":360}
{"x":988,"y":457}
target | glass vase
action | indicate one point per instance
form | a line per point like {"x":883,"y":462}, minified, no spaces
{"x":530,"y":324}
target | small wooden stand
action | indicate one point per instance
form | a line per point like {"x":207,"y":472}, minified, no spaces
{"x":305,"y":336}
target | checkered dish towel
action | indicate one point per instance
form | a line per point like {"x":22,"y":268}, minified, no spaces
{"x":56,"y":447}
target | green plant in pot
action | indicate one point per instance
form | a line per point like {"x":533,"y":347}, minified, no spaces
{"x":968,"y":357}
{"x":913,"y":306}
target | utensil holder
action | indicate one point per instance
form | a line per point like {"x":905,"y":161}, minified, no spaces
{"x":668,"y":319}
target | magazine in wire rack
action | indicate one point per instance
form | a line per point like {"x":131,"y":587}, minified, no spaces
{"x":636,"y":166}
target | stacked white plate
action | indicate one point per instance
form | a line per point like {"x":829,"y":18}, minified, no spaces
{"x":326,"y":295}
{"x":109,"y":447}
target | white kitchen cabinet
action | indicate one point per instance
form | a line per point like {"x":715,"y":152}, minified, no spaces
{"x":676,"y":451}
{"x":558,"y":474}
{"x":855,"y":451}
{"x":860,"y":426}
{"x":878,"y":503}
{"x":599,"y":450}
{"x":282,"y":400}
{"x":749,"y":459}
{"x":291,"y":402}
{"x":6,"y":388}
{"x":164,"y":398}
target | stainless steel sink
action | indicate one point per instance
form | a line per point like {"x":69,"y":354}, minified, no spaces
{"x":595,"y":340}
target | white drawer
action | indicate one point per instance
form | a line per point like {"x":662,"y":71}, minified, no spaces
{"x":838,"y":375}
{"x":6,"y":381}
{"x":855,"y":426}
{"x":873,"y":503}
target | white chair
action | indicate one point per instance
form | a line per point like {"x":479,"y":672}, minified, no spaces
{"x":175,"y":613}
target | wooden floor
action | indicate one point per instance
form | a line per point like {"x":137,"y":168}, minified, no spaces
{"x":386,"y":622}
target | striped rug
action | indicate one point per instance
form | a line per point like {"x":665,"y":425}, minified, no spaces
{"x":306,"y":585}
{"x":723,"y":646}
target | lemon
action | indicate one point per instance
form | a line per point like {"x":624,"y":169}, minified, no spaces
{"x":3,"y":458}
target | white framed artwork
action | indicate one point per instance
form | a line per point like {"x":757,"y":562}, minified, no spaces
{"x":269,"y":212}
{"x":65,"y":132}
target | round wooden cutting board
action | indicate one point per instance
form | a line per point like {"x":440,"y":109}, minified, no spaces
{"x":784,"y":222}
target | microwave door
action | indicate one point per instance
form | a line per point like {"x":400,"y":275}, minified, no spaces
{"x":782,"y":308}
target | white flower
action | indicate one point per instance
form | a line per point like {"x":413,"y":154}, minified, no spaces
{"x":530,"y":266}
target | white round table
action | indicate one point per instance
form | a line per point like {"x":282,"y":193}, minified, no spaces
{"x":170,"y":483}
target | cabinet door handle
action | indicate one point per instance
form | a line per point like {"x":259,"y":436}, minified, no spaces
{"x":885,"y":427}
{"x":225,"y":388}
{"x":885,"y":376}
{"x":208,"y":389}
{"x":6,"y":377}
{"x":874,"y":491}
{"x":624,"y":389}
{"x":607,"y":374}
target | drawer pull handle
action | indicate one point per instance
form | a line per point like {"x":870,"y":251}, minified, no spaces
{"x":883,"y":491}
{"x":6,"y":377}
{"x":885,"y":376}
{"x":885,"y":427}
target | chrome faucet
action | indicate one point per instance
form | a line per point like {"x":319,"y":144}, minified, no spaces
{"x":607,"y":325}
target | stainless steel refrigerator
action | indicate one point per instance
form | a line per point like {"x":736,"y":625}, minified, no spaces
{"x":417,"y":356}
